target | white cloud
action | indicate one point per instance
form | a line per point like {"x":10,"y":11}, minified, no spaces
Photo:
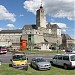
{"x":32,"y":5}
{"x":63,"y":30}
{"x":21,"y":15}
{"x":2,"y":29}
{"x":56,"y":8}
{"x":5,"y":15}
{"x":61,"y":25}
{"x":10,"y":26}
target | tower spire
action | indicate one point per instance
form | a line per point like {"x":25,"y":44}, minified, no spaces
{"x":41,"y":4}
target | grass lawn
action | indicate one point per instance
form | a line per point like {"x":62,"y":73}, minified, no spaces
{"x":44,"y":52}
{"x":6,"y":70}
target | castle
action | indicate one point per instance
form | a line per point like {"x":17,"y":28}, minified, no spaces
{"x":39,"y":36}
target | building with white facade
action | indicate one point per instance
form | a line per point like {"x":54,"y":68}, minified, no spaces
{"x":38,"y":36}
{"x":10,"y":38}
{"x":41,"y":36}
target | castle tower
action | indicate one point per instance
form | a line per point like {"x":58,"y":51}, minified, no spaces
{"x":40,"y":17}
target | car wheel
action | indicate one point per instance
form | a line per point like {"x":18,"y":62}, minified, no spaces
{"x":37,"y":68}
{"x":51,"y":62}
{"x":49,"y":68}
{"x":10,"y":65}
{"x":31,"y":65}
{"x":26,"y":68}
{"x":65,"y":66}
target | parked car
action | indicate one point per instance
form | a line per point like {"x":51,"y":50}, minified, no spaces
{"x":65,"y":60}
{"x":69,"y":50}
{"x":19,"y":60}
{"x":3,"y":49}
{"x":40,"y":64}
{"x":53,"y":48}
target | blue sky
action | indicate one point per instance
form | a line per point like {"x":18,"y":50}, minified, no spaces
{"x":14,"y":14}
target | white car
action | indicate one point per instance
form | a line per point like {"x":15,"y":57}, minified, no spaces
{"x":65,"y":60}
{"x":3,"y":49}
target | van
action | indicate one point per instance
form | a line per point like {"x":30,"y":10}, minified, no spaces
{"x":19,"y":60}
{"x":65,"y":60}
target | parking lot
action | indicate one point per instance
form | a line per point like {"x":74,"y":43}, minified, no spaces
{"x":6,"y":70}
{"x":5,"y":58}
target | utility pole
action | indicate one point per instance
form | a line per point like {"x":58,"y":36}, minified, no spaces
{"x":57,"y":46}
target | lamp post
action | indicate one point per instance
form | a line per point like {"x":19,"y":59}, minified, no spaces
{"x":57,"y":46}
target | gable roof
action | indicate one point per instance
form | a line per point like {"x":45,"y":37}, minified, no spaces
{"x":29,"y":27}
{"x":55,"y":26}
{"x":11,"y":31}
{"x":66,"y":36}
{"x":50,"y":26}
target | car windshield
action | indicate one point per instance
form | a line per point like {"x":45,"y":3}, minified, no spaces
{"x":73,"y":58}
{"x":2,"y":47}
{"x":41,"y":60}
{"x":19,"y":57}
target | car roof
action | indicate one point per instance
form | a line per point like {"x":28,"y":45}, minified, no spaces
{"x":38,"y":58}
{"x":69,"y":54}
{"x":18,"y":53}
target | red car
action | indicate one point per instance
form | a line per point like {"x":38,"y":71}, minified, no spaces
{"x":3,"y":49}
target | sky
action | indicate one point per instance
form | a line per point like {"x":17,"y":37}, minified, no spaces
{"x":14,"y":14}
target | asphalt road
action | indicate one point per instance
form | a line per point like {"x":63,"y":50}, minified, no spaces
{"x":5,"y":58}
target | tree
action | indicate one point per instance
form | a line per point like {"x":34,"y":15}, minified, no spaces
{"x":54,"y":44}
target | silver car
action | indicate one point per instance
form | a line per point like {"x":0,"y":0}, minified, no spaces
{"x":40,"y":64}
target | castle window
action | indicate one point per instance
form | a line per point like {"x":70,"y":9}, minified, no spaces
{"x":42,"y":11}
